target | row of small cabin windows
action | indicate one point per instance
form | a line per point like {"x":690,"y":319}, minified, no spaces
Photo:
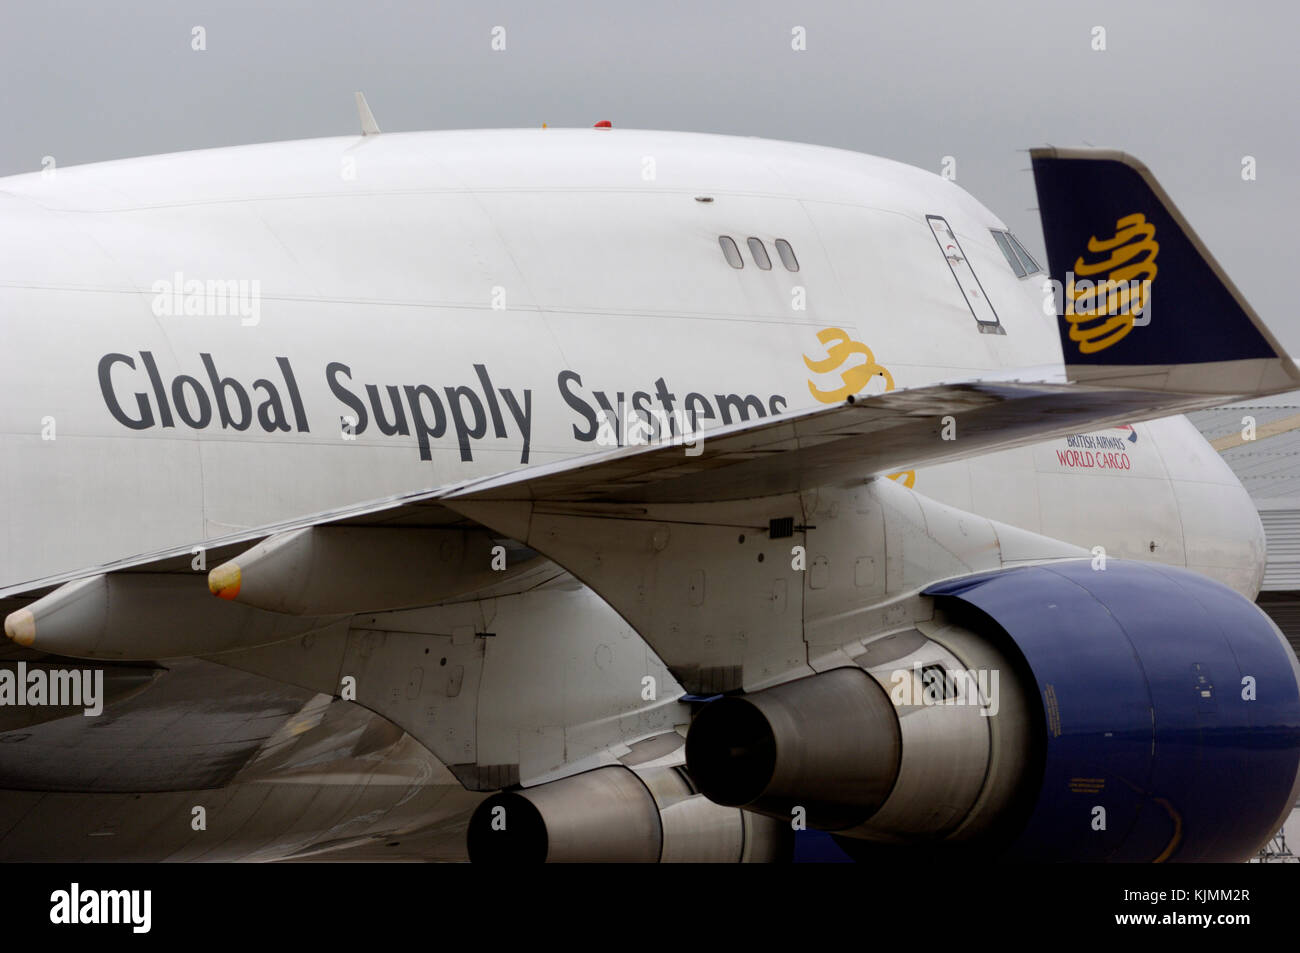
{"x":1020,"y":260}
{"x":759,"y":251}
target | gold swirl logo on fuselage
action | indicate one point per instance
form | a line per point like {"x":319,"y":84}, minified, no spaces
{"x":853,"y":379}
{"x":840,"y":347}
{"x":1102,"y":311}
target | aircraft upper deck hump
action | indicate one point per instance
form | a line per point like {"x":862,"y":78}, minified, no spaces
{"x":490,"y":159}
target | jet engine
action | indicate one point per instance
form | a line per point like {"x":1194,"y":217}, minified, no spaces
{"x":1047,"y":713}
{"x":615,"y":814}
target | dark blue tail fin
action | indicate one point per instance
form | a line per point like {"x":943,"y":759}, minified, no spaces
{"x":1143,"y":302}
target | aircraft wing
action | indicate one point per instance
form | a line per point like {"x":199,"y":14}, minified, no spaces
{"x":798,"y":450}
{"x":886,"y":433}
{"x":317,"y":578}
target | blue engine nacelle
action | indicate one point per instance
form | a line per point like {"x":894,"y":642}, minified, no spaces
{"x":1045,"y":713}
{"x":1169,"y":710}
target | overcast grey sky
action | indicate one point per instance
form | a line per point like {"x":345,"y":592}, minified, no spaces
{"x":1189,"y":87}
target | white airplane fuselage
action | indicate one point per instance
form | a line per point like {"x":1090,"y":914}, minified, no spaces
{"x":187,"y":335}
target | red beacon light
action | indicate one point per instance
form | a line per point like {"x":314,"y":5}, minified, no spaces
{"x":604,"y":124}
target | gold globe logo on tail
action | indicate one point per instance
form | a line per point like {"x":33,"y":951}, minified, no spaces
{"x":840,"y":347}
{"x":1103,"y":310}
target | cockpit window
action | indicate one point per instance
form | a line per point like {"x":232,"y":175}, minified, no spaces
{"x":1031,"y":266}
{"x":1021,"y":262}
{"x":1009,"y":253}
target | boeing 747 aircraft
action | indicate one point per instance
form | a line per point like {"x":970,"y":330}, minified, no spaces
{"x":608,"y":495}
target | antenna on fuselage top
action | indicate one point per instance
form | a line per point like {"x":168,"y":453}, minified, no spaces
{"x":368,"y":125}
